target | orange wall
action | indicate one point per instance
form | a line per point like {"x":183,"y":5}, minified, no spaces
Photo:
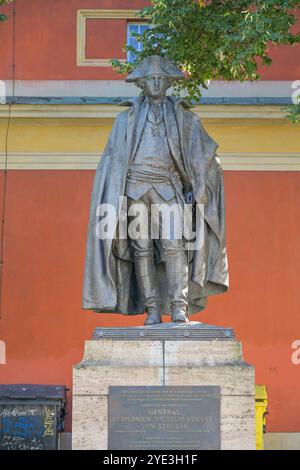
{"x":46,"y":39}
{"x":46,"y":42}
{"x":44,"y":327}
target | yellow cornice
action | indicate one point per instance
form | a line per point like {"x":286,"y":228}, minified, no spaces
{"x":236,"y":115}
{"x":89,"y":161}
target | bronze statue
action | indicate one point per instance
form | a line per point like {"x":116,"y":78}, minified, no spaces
{"x":157,"y":153}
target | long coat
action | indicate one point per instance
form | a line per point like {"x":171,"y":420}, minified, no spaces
{"x":110,"y":283}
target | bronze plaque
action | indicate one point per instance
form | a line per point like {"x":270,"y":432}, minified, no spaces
{"x":171,"y":417}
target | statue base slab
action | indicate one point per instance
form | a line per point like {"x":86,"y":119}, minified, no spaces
{"x":163,"y":355}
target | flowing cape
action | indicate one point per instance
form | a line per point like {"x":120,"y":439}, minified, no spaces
{"x":110,"y":283}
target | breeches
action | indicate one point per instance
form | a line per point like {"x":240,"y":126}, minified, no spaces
{"x":174,"y":253}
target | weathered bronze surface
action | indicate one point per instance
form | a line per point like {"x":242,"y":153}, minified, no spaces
{"x":172,"y":417}
{"x":158,"y":153}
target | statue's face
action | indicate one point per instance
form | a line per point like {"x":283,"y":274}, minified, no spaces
{"x":156,"y":86}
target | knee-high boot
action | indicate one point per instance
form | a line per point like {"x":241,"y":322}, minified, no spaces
{"x":177,"y":276}
{"x":148,"y":285}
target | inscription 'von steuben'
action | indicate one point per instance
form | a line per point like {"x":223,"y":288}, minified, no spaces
{"x":192,"y":423}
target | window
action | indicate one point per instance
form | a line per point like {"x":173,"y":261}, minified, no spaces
{"x":131,"y":41}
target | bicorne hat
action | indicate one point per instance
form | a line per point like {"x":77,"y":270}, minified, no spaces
{"x":155,"y":65}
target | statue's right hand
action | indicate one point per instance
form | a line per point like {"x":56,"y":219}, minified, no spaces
{"x":189,"y":197}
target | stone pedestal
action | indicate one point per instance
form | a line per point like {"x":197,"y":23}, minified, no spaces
{"x":168,"y":354}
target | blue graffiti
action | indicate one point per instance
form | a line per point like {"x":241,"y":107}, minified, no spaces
{"x":23,"y":426}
